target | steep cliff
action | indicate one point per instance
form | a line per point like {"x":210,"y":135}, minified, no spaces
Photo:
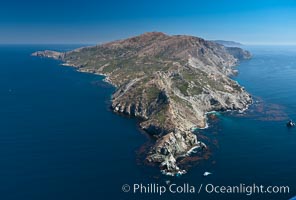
{"x":170,"y":82}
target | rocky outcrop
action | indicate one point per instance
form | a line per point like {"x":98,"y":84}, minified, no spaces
{"x":239,"y":53}
{"x":50,"y":54}
{"x":171,"y":147}
{"x":169,"y":82}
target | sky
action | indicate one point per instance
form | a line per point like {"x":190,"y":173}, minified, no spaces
{"x":94,"y":22}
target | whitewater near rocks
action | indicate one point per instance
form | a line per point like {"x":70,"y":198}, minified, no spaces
{"x":169,"y":82}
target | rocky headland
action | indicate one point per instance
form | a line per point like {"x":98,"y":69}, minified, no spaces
{"x":228,"y":43}
{"x":169,"y":82}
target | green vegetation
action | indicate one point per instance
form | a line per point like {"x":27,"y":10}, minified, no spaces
{"x":181,"y":84}
{"x":181,"y":101}
{"x":160,"y":116}
{"x":195,"y":90}
{"x":189,"y":75}
{"x":150,"y":69}
{"x":152,"y":93}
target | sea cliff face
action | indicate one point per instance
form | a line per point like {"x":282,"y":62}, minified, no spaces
{"x":170,"y":82}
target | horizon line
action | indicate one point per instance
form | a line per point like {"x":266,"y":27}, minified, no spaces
{"x":98,"y":43}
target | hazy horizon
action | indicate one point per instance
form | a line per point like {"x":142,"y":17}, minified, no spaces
{"x":65,"y":22}
{"x":92,"y":44}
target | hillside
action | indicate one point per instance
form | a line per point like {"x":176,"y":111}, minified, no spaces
{"x":169,"y":82}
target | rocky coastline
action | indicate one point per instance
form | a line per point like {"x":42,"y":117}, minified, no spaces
{"x":169,"y":82}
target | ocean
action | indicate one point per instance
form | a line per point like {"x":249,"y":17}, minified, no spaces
{"x":59,"y":139}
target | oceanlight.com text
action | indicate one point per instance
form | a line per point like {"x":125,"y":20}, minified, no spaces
{"x":186,"y":188}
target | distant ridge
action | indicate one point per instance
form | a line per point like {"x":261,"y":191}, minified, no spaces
{"x":228,"y":43}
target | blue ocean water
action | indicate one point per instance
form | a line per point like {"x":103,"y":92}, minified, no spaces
{"x":59,"y":140}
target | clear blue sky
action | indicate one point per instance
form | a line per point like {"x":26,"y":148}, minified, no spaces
{"x":90,"y":21}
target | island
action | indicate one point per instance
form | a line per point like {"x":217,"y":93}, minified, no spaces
{"x":169,"y":82}
{"x":228,"y":43}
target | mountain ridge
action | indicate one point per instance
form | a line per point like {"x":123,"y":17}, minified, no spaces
{"x":169,"y":82}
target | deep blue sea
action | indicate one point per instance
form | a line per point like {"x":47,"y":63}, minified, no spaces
{"x":60,"y":141}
